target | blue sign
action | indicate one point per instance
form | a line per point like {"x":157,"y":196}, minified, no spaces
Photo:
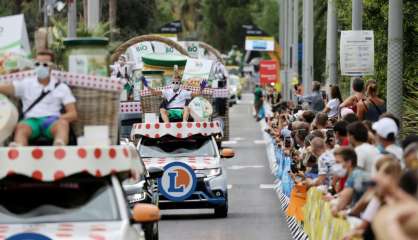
{"x":28,"y":236}
{"x":178,"y":181}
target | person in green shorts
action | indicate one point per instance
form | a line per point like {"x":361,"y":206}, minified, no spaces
{"x":175,"y":104}
{"x":42,"y":116}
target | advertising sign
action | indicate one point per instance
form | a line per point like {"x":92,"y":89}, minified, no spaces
{"x":193,"y":48}
{"x":357,"y":53}
{"x":13,"y":34}
{"x":171,"y":27}
{"x":197,"y":70}
{"x":138,"y":50}
{"x":268,"y":72}
{"x":259,"y":43}
{"x":178,"y":181}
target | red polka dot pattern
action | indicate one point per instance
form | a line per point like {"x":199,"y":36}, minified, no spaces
{"x":97,"y":153}
{"x":59,"y":174}
{"x":37,"y":175}
{"x":59,"y":154}
{"x":13,"y":154}
{"x":82,"y":153}
{"x":37,"y":153}
{"x":112,"y":153}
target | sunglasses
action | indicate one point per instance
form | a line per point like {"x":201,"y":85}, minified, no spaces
{"x":45,"y":64}
{"x":176,"y":82}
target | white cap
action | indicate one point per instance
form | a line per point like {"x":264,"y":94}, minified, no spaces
{"x":385,"y":126}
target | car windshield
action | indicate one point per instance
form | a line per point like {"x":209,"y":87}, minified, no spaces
{"x":24,"y":200}
{"x":173,"y":147}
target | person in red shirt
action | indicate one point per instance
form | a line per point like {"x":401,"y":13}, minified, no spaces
{"x":340,"y":130}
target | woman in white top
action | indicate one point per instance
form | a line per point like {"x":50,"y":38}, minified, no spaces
{"x":332,"y":106}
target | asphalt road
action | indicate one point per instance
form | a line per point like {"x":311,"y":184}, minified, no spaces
{"x":254,"y":210}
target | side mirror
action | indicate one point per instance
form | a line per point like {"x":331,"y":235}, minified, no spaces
{"x":155,"y":172}
{"x":227,"y":153}
{"x":146,"y":213}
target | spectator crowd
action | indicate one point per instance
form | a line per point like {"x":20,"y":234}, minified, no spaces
{"x":350,"y":150}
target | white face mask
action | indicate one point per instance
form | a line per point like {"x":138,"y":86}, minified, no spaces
{"x":338,"y":170}
{"x":176,"y":87}
{"x":42,"y":72}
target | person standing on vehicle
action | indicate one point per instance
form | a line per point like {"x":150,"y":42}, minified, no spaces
{"x":42,"y":100}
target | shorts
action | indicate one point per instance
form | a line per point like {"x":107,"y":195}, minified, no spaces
{"x":175,"y":113}
{"x":41,"y":126}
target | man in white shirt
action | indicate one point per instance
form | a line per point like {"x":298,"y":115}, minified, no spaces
{"x":44,"y":118}
{"x":367,"y":154}
{"x":176,"y":100}
{"x":386,"y":132}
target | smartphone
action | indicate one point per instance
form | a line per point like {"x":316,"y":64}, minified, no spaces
{"x":287,"y":142}
{"x":369,"y":184}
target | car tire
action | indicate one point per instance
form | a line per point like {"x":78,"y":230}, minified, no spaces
{"x":222,"y":211}
{"x":150,"y":231}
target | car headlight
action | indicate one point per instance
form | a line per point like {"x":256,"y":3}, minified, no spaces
{"x":211,"y":172}
{"x":137,"y":197}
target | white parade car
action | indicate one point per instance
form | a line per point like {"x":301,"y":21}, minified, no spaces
{"x":69,"y":193}
{"x":187,"y":151}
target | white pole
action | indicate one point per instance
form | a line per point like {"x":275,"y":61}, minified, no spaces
{"x":295,"y":38}
{"x":395,"y":56}
{"x":331,"y":61}
{"x":308,"y":45}
{"x":356,"y":23}
{"x":72,"y":19}
{"x":93,"y":10}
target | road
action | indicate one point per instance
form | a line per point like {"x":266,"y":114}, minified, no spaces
{"x":254,"y":210}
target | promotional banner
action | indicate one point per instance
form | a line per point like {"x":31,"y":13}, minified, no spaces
{"x":357,"y":53}
{"x":268,"y":72}
{"x":13,"y":35}
{"x":138,"y":50}
{"x":193,"y":48}
{"x":259,"y":43}
{"x":171,"y":27}
{"x":197,"y":70}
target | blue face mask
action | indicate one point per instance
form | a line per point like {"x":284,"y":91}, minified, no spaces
{"x":42,"y":72}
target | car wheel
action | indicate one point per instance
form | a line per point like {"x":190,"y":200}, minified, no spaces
{"x":222,"y":211}
{"x":151,"y":231}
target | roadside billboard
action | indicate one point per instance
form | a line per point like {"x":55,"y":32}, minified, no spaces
{"x":357,"y":53}
{"x":268,"y":72}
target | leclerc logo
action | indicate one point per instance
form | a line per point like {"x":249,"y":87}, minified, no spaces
{"x":178,"y":181}
{"x":28,"y":236}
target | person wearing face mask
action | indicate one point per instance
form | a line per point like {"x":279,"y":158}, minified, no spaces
{"x":176,"y":100}
{"x":386,"y":132}
{"x":42,"y":99}
{"x":346,"y":165}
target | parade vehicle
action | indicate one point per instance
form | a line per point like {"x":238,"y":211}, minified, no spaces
{"x":188,"y":152}
{"x":70,"y":192}
{"x":153,"y":57}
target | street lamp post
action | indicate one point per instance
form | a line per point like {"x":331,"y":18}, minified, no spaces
{"x":356,"y":22}
{"x":295,"y":38}
{"x":307,"y":45}
{"x":72,"y":18}
{"x":395,"y":55}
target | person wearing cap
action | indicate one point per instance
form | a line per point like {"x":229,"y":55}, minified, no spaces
{"x":42,"y":116}
{"x":386,"y":132}
{"x":367,"y":154}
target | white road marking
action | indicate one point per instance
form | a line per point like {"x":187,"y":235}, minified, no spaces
{"x":267,"y":186}
{"x":229,"y":186}
{"x":238,"y":139}
{"x":239,"y":167}
{"x":229,"y":143}
{"x":260,"y":142}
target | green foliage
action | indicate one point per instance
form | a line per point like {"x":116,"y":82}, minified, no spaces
{"x":376,"y":18}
